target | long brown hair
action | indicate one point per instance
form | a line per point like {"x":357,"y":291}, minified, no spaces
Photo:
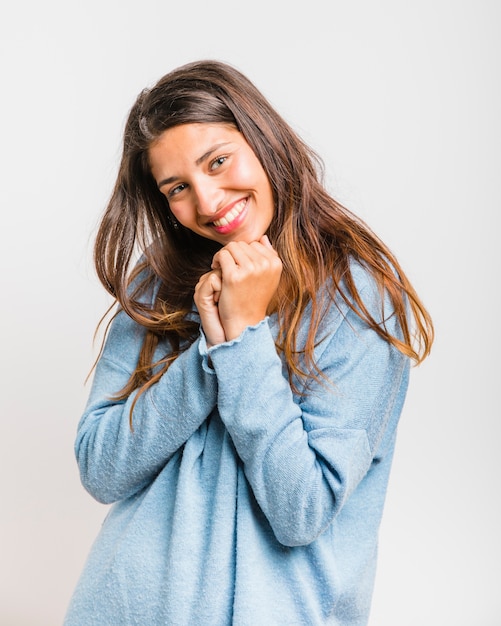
{"x":316,"y":237}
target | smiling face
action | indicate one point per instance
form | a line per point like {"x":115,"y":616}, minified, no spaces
{"x":213,"y":181}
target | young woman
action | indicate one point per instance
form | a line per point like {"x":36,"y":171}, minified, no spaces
{"x":244,"y":408}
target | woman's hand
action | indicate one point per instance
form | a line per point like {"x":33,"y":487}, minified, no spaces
{"x":249,"y":277}
{"x":207,"y":293}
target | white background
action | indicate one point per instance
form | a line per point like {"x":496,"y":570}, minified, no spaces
{"x":403,"y":102}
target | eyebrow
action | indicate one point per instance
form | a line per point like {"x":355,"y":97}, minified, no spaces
{"x":199,"y":161}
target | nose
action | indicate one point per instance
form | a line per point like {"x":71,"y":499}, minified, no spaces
{"x":208,"y":196}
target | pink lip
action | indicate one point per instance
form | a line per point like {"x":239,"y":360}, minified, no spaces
{"x":228,"y":228}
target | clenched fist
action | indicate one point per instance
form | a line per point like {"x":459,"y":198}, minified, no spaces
{"x":238,"y":290}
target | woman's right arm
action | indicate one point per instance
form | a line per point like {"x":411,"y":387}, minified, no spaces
{"x":115,"y":462}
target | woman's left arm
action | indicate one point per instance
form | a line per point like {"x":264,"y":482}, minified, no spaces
{"x":304,"y":457}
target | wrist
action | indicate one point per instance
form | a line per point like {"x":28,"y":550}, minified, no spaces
{"x":234,"y":329}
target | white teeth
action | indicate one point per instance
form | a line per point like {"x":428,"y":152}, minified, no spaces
{"x":231,"y":215}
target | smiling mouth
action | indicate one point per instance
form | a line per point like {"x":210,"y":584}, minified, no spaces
{"x":231,"y":215}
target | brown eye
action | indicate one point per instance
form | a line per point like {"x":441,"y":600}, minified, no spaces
{"x":217,"y":162}
{"x":177,"y":189}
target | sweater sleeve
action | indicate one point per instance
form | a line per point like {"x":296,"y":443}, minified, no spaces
{"x":304,"y":456}
{"x":114,"y":461}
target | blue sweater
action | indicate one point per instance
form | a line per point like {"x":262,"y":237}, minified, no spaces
{"x":237,"y":502}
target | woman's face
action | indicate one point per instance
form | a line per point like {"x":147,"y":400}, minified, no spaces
{"x":213,"y":181}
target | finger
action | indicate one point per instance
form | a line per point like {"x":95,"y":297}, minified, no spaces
{"x":216,"y":284}
{"x":263,"y":246}
{"x":209,"y":283}
{"x":264,"y":250}
{"x":243,"y":253}
{"x":266,"y":242}
{"x":234,"y":252}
